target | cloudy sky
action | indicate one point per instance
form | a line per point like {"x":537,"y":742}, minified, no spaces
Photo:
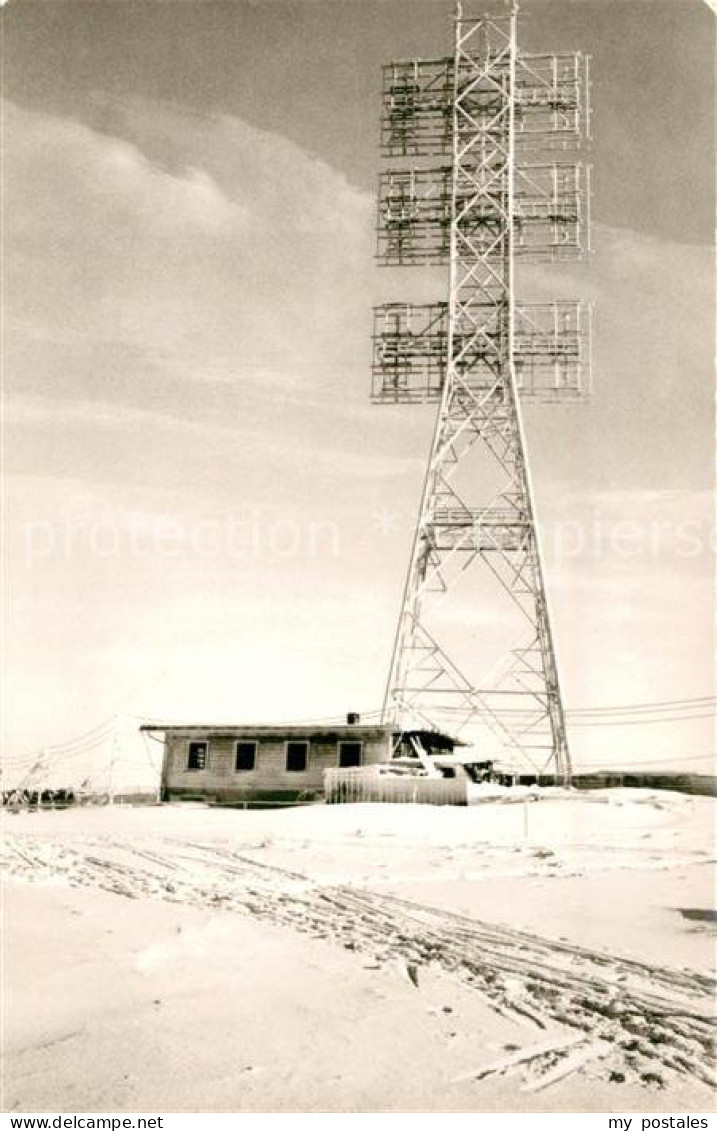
{"x":206,"y":518}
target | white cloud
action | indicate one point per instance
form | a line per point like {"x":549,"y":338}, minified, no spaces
{"x":200,"y":240}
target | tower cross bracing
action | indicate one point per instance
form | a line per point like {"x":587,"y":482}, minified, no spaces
{"x":507,"y":193}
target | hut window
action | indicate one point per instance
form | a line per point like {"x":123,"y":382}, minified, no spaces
{"x":349,"y":754}
{"x":197,"y":757}
{"x":245,"y":757}
{"x":297,"y":754}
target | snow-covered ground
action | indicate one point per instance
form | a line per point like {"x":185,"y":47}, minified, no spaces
{"x":534,"y":951}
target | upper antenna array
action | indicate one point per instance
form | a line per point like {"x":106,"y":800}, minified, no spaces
{"x":551,"y":103}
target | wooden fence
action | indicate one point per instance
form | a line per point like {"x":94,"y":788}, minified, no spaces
{"x":374,"y":784}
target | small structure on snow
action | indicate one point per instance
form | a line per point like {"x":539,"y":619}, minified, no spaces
{"x":248,"y":764}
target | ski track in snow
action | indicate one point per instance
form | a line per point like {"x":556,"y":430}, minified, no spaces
{"x":633,"y":1022}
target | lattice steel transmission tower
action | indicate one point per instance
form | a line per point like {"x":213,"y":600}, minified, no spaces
{"x":508,"y":191}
